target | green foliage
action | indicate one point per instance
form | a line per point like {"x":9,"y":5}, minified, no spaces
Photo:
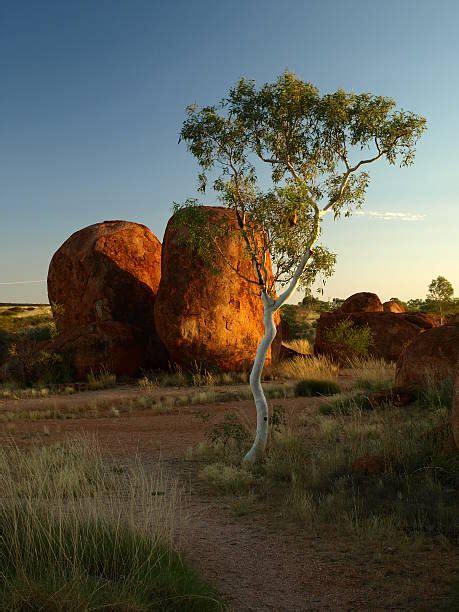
{"x":313,"y":387}
{"x":437,"y":394}
{"x":227,"y":478}
{"x":299,"y":322}
{"x":440,"y":293}
{"x":345,"y":404}
{"x":349,"y":341}
{"x":308,"y":141}
{"x":27,"y":365}
{"x":80,"y":533}
{"x":229,"y":431}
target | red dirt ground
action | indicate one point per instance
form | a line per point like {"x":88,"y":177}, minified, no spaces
{"x":255,"y":563}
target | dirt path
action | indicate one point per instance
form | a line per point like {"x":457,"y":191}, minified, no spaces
{"x":256,"y":565}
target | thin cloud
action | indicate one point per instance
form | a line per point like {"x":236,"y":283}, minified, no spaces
{"x":391,"y":216}
{"x":22,"y":282}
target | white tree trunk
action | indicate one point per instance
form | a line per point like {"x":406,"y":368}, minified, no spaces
{"x":270,"y":307}
{"x":261,"y":404}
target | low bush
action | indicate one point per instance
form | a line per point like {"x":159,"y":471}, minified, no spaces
{"x":313,"y":387}
{"x":349,"y":341}
{"x":27,"y":366}
{"x":344,"y":404}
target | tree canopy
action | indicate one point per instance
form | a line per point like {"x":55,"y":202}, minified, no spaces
{"x":317,"y":148}
{"x":441,"y":293}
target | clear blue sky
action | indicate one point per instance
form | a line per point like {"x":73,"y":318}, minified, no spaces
{"x":93,"y":97}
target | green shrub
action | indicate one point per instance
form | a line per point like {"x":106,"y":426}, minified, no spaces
{"x":313,"y":387}
{"x":349,"y":341}
{"x":229,"y":431}
{"x":27,"y":365}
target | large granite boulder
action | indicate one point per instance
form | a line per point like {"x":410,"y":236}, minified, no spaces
{"x":393,"y":306}
{"x":430,"y":358}
{"x":392,"y":332}
{"x":108,"y":272}
{"x":362,"y":302}
{"x":208,"y":316}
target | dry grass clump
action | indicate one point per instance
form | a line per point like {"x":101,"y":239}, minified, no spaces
{"x":78,"y":532}
{"x":301,"y":345}
{"x":299,"y":368}
{"x":372,"y":374}
{"x":227,"y":478}
{"x":101,"y":380}
{"x":197,"y":377}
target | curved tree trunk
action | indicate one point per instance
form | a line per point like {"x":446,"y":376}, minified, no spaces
{"x":270,"y":307}
{"x":261,"y":404}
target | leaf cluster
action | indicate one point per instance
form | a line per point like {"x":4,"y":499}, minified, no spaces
{"x":317,"y":148}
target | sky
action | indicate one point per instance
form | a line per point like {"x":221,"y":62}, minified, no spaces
{"x":94,"y":96}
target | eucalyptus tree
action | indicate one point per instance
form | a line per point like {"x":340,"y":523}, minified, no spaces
{"x":441,"y":294}
{"x":317,"y":149}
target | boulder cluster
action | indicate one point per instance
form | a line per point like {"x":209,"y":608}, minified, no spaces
{"x":126,"y":303}
{"x":392,"y":328}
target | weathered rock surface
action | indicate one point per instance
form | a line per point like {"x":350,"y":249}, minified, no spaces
{"x":113,"y":346}
{"x":108,"y":272}
{"x":393,"y":306}
{"x":214,"y":320}
{"x":392,"y":332}
{"x":362,"y":302}
{"x":430,"y":358}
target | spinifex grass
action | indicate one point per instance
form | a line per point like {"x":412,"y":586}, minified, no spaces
{"x":80,"y":532}
{"x":299,"y":368}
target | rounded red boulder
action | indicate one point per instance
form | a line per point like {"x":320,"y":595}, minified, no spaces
{"x":391,"y":333}
{"x":362,"y":302}
{"x":393,"y":306}
{"x":207,"y":316}
{"x":108,"y":272}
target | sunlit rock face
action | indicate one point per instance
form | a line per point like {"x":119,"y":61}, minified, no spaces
{"x":393,"y":306}
{"x":362,"y":302}
{"x":208,"y":316}
{"x":108,"y":273}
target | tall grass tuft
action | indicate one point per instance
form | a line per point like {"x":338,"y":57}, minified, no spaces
{"x":101,"y":380}
{"x":299,"y":368}
{"x":373,"y":374}
{"x":80,"y":532}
